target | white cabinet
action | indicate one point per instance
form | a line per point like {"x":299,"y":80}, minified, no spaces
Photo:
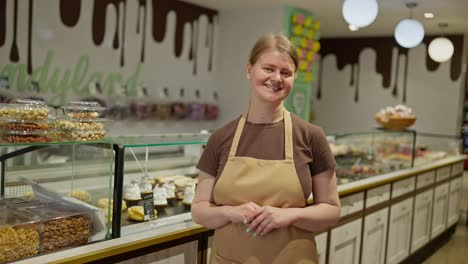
{"x":399,"y":231}
{"x":422,"y":220}
{"x":321,"y":241}
{"x":378,"y":195}
{"x":439,"y":214}
{"x":403,"y":187}
{"x":443,"y":173}
{"x":374,"y":239}
{"x":181,"y":254}
{"x":345,"y":242}
{"x":454,"y":200}
{"x":352,"y":203}
{"x":425,"y":179}
{"x":457,"y":169}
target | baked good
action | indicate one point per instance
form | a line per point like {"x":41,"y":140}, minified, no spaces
{"x":81,"y":195}
{"x":104,"y":203}
{"x":189,"y":193}
{"x":136,"y":213}
{"x":170,"y":189}
{"x":145,"y":186}
{"x":159,"y":197}
{"x":132,"y":194}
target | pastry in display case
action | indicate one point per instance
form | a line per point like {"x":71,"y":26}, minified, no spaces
{"x":432,"y":147}
{"x":365,"y":154}
{"x":46,"y":201}
{"x":166,"y":164}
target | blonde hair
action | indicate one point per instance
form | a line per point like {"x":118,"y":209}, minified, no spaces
{"x":277,"y":42}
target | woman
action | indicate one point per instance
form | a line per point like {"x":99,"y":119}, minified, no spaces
{"x":257,"y":172}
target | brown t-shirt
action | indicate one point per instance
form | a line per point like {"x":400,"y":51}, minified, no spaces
{"x":312,"y":154}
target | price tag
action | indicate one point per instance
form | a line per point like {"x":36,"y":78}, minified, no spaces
{"x":148,"y":206}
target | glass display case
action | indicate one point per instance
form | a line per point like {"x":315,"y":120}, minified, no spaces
{"x":361,"y":155}
{"x":365,"y":154}
{"x":432,"y":147}
{"x":159,"y":179}
{"x":47,"y":202}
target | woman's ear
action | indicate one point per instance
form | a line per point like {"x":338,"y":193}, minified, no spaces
{"x":248,"y":70}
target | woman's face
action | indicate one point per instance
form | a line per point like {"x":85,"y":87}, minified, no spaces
{"x":272,"y":76}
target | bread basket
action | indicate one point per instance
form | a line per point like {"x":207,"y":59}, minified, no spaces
{"x":395,"y":123}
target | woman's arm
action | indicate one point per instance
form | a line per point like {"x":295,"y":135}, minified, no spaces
{"x":323,"y":213}
{"x":325,"y":210}
{"x":206,"y":213}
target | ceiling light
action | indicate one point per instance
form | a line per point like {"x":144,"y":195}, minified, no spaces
{"x":409,"y":32}
{"x":360,"y":13}
{"x":428,"y":15}
{"x":353,"y":28}
{"x":441,"y":49}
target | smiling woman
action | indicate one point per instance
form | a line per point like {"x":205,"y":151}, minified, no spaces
{"x":257,"y":171}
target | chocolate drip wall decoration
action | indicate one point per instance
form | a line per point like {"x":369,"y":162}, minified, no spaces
{"x":348,"y":50}
{"x":30,"y":21}
{"x":14,"y":52}
{"x":70,"y":12}
{"x":2,"y":22}
{"x":186,"y":13}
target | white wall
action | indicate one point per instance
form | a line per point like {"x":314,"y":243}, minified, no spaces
{"x":434,"y":97}
{"x":239,"y":29}
{"x":161,"y":67}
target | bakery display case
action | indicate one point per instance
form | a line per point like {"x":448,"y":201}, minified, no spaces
{"x":158,"y":180}
{"x":47,"y":202}
{"x":361,"y":155}
{"x":432,"y":147}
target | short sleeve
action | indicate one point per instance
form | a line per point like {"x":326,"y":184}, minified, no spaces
{"x":209,"y":160}
{"x":323,"y":159}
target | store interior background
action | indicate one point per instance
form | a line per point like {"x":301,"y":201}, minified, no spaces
{"x":73,"y":43}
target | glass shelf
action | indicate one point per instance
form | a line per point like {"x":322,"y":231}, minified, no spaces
{"x":161,"y":140}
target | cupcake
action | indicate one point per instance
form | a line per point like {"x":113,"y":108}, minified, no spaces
{"x":170,"y":191}
{"x":136,"y":213}
{"x":145,"y":186}
{"x":189,"y":193}
{"x":132,"y":194}
{"x":159,"y":197}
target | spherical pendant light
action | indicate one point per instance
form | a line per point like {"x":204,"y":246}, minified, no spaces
{"x":409,"y":33}
{"x":360,"y":13}
{"x":441,"y":49}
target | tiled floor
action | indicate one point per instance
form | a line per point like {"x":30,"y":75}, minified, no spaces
{"x":455,"y":251}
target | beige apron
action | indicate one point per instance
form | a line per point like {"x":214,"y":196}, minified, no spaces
{"x":264,"y":182}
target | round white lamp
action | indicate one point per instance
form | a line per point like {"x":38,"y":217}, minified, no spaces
{"x":441,"y":49}
{"x":409,"y":33}
{"x":360,"y":13}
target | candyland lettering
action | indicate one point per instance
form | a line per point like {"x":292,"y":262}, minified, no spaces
{"x":61,"y":81}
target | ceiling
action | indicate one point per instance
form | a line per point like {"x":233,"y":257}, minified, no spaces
{"x":453,"y":12}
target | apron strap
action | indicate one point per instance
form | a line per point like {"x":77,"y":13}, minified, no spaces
{"x":288,"y":140}
{"x":288,"y":146}
{"x":235,"y":141}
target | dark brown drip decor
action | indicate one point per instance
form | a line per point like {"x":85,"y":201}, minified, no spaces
{"x":185,"y":13}
{"x":2,"y":22}
{"x":14,"y":52}
{"x":347,"y":51}
{"x":30,"y":18}
{"x":70,"y":12}
{"x":142,"y":5}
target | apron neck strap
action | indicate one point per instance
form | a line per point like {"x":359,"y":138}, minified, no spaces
{"x":288,"y":141}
